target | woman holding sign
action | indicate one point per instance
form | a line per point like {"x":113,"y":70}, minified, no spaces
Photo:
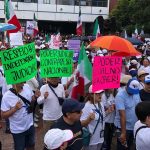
{"x":96,"y":126}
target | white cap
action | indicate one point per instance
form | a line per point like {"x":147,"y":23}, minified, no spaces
{"x":134,"y":62}
{"x":99,"y":53}
{"x":104,"y":51}
{"x":42,"y":46}
{"x":54,"y":138}
{"x":90,"y":90}
{"x":37,"y":47}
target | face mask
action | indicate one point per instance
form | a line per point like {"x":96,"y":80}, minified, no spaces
{"x":54,"y":86}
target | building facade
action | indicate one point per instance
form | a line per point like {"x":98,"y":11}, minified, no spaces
{"x":54,"y":14}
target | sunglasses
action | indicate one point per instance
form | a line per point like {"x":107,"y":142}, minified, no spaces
{"x":148,"y":83}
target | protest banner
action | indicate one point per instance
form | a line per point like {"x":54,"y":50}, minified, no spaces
{"x":16,"y":39}
{"x":56,"y":63}
{"x":55,"y":41}
{"x":30,"y":27}
{"x":106,"y":72}
{"x":19,"y":63}
{"x":74,"y":45}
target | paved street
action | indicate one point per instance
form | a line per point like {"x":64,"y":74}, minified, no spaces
{"x":7,"y":141}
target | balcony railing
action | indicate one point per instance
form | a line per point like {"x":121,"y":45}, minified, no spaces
{"x":95,"y":3}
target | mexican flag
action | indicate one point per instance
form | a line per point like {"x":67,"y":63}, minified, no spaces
{"x":79,"y":24}
{"x":83,"y":75}
{"x":96,"y":31}
{"x":35,"y":29}
{"x":11,"y":16}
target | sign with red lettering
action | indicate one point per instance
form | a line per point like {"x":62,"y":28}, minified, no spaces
{"x":106,"y":72}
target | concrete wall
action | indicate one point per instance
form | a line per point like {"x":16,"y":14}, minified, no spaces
{"x":54,"y":12}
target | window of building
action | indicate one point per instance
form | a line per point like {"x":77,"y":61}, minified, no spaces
{"x":99,"y":3}
{"x":83,"y":2}
{"x":65,"y":2}
{"x":46,"y":1}
{"x":26,"y":1}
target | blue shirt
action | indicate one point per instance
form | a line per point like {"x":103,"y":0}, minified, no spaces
{"x":126,"y":102}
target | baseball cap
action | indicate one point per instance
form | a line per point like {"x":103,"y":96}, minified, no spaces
{"x":71,"y":105}
{"x":133,"y":86}
{"x":125,"y":79}
{"x":104,"y":51}
{"x":133,"y":72}
{"x":147,"y":79}
{"x":134,"y":62}
{"x":54,"y":138}
{"x":142,"y":72}
{"x":90,"y":90}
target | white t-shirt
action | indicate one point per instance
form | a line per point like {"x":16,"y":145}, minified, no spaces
{"x":142,"y":137}
{"x":51,"y":108}
{"x":146,"y":69}
{"x":89,"y":108}
{"x":20,"y":121}
{"x":107,"y":102}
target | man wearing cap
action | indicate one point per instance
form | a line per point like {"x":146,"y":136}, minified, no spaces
{"x":141,"y":77}
{"x":123,"y":82}
{"x":125,"y":118}
{"x":57,"y":139}
{"x":145,"y":93}
{"x":51,"y":107}
{"x":72,"y":111}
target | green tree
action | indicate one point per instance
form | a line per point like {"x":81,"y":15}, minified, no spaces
{"x":131,"y":13}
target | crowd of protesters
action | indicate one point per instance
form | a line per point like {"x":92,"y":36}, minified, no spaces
{"x":122,"y":112}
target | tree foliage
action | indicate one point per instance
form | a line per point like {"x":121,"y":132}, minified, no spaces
{"x":132,"y":13}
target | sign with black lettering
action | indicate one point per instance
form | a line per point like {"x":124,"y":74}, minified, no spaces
{"x":19,"y":63}
{"x":106,"y":72}
{"x":56,"y":63}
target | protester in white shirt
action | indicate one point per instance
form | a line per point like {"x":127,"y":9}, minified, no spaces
{"x":51,"y":107}
{"x":96,"y":126}
{"x":141,"y":77}
{"x":142,"y":127}
{"x":21,"y":120}
{"x":145,"y":66}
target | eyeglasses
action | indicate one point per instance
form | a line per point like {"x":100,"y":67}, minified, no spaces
{"x":148,"y":83}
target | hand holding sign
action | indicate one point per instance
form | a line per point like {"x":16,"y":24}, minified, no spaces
{"x":46,"y":95}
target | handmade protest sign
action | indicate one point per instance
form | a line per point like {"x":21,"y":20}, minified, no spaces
{"x":56,"y":63}
{"x":16,"y":39}
{"x":74,"y":45}
{"x":19,"y":63}
{"x":106,"y":72}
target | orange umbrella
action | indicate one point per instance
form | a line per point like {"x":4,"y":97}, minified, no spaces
{"x":115,"y":43}
{"x":126,"y":54}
